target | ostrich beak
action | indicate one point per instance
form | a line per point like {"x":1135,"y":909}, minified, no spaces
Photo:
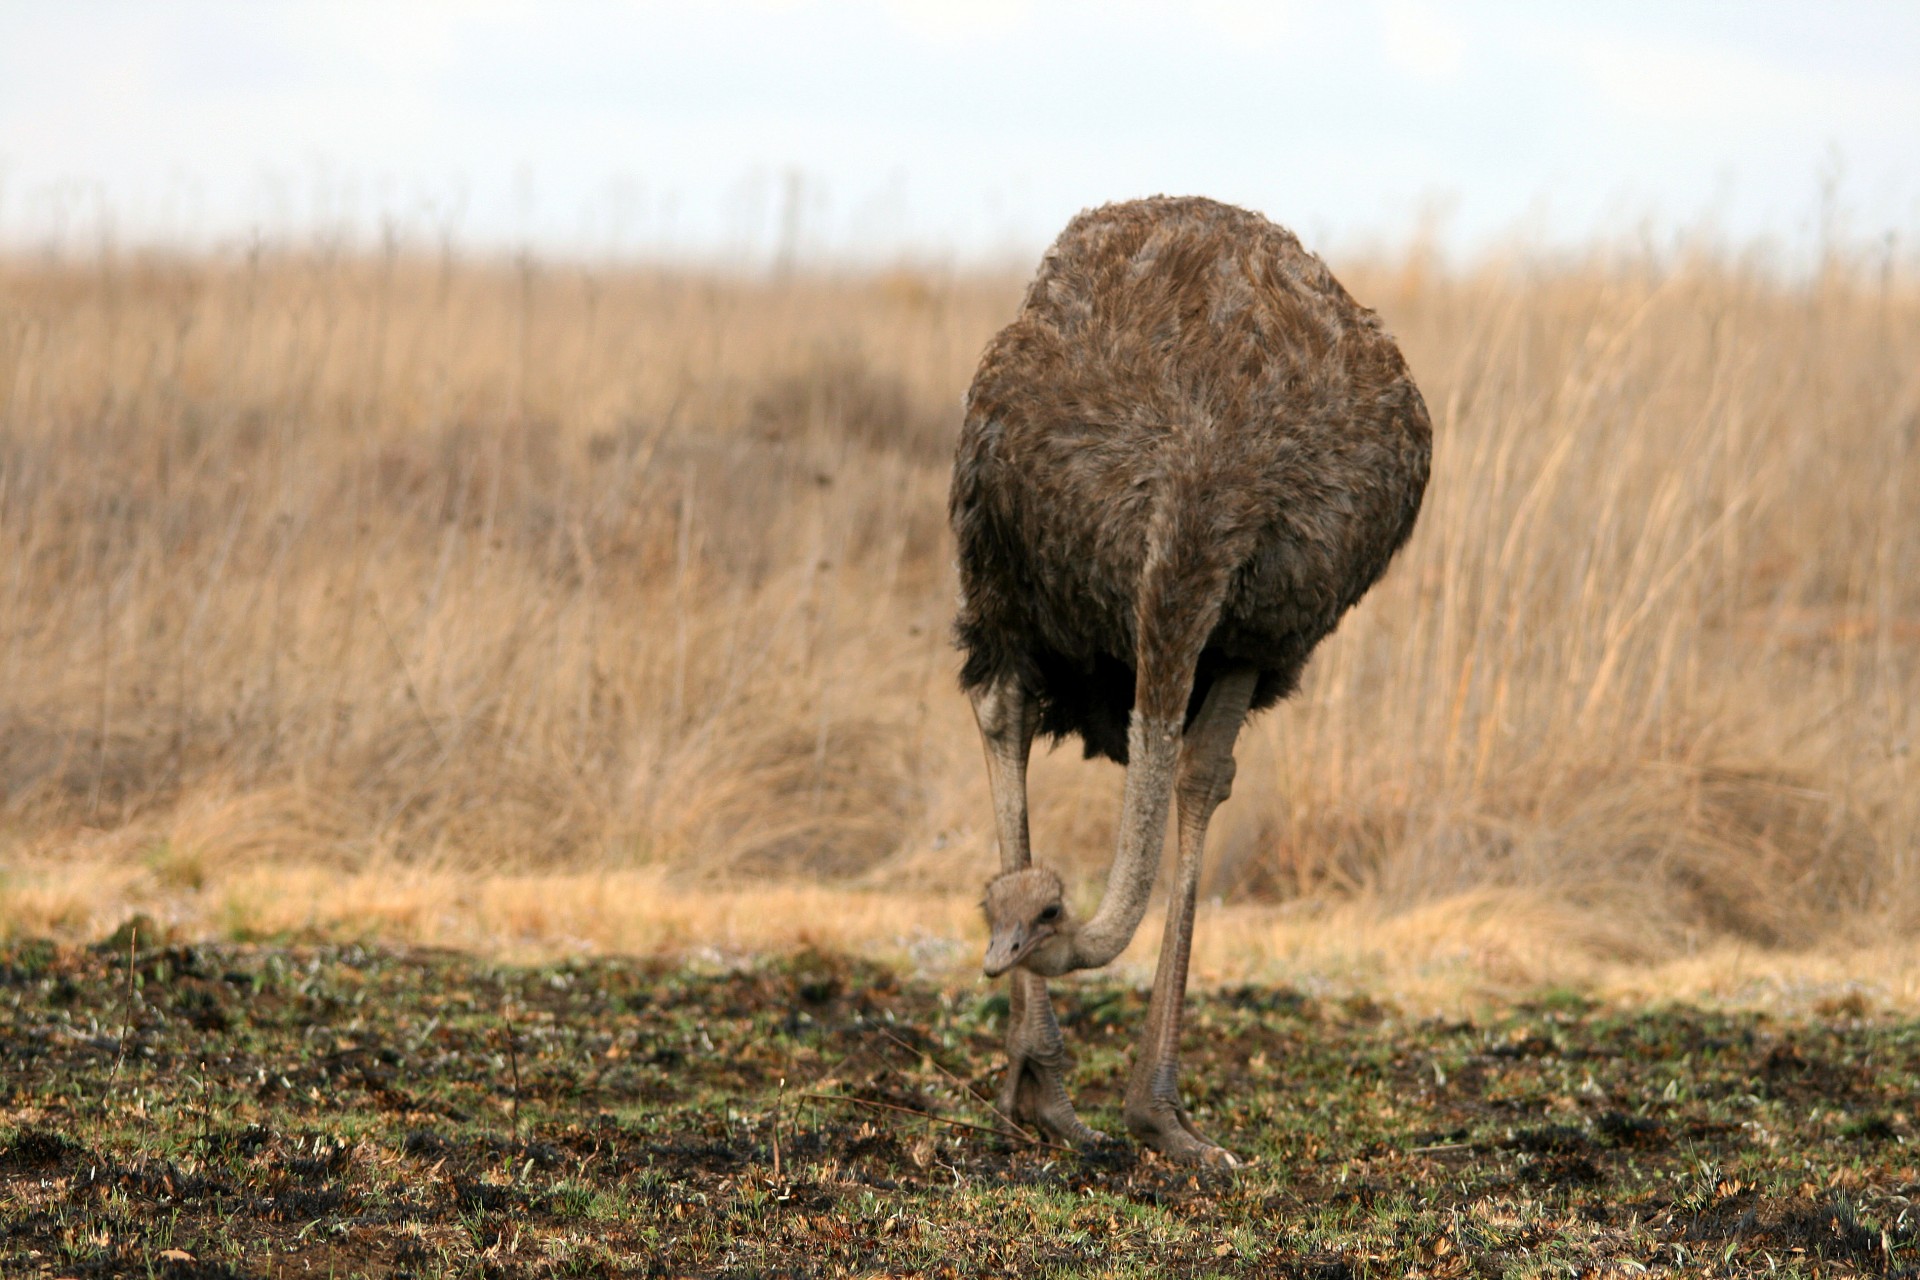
{"x":1003,"y":952}
{"x":1008,"y":947}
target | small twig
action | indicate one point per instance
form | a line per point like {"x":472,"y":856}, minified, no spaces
{"x":513,"y":1064}
{"x":126,"y":1006}
{"x":1440,"y":1146}
{"x":776,"y":1126}
{"x":923,"y":1115}
{"x":1010,"y":1122}
{"x":206,"y":1106}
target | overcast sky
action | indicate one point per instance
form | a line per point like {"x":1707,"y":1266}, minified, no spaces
{"x":964,"y":128}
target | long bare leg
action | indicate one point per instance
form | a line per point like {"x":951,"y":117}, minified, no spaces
{"x":1035,"y":1090}
{"x":1153,"y":1109}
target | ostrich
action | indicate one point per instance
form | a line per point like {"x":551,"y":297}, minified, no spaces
{"x":1189,"y":454}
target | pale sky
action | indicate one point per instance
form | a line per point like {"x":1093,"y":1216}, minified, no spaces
{"x":953,"y":129}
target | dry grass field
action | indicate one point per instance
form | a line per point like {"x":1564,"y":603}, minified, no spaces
{"x":548,"y":608}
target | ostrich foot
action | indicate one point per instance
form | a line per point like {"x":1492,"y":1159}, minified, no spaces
{"x":1036,"y":1094}
{"x":1164,"y":1125}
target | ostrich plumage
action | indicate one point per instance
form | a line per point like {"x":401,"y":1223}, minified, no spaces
{"x":1184,"y":382}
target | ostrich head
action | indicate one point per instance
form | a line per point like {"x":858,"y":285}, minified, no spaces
{"x":1029,"y":924}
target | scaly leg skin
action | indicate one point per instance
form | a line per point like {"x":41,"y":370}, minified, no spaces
{"x":1035,"y":1091}
{"x":1153,"y":1108}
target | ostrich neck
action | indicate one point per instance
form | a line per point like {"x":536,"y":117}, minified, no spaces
{"x":1153,"y":752}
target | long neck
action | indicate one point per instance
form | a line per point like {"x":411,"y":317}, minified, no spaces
{"x":1153,"y":753}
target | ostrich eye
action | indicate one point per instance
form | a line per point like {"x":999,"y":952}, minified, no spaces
{"x":1051,"y":914}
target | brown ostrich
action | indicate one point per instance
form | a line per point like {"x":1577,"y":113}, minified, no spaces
{"x":1189,"y":455}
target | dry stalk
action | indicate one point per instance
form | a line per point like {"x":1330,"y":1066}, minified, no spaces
{"x":513,"y":1066}
{"x":126,"y":1006}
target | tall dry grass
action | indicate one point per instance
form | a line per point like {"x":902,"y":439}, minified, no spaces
{"x":395,"y":570}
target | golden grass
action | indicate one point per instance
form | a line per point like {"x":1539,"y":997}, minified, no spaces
{"x":530,"y":606}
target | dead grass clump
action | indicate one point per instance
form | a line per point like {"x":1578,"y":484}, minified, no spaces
{"x":1749,"y":856}
{"x":830,"y":804}
{"x":514,"y":569}
{"x":838,"y":396}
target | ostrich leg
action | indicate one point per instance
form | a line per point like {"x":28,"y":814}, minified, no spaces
{"x":1035,"y":1089}
{"x":1153,"y":1109}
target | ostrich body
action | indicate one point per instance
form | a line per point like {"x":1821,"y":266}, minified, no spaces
{"x":1189,"y":454}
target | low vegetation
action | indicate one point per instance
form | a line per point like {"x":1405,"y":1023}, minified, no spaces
{"x":225,"y":1110}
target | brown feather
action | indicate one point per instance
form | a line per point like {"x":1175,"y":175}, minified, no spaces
{"x":1191,"y":449}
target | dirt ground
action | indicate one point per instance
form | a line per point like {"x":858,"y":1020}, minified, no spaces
{"x":253,"y":1110}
